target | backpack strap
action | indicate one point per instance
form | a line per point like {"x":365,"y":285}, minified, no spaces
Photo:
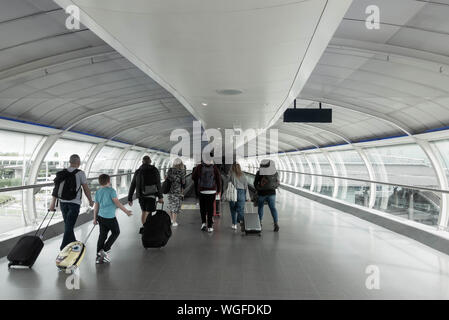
{"x":75,"y":172}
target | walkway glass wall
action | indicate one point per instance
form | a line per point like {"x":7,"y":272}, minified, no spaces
{"x":18,"y":151}
{"x":398,"y":179}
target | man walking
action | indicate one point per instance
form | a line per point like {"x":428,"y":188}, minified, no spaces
{"x":70,"y":198}
{"x":147,"y":184}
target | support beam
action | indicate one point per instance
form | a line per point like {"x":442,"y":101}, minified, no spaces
{"x":435,"y":160}
{"x":334,"y":172}
{"x":92,"y":157}
{"x":30,"y":214}
{"x":371,"y":173}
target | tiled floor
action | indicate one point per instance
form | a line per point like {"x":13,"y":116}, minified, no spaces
{"x":319,"y":253}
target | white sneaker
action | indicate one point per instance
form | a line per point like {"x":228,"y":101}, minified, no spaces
{"x":203,"y":227}
{"x":106,"y":256}
{"x":210,"y":229}
{"x":174,"y":224}
{"x":234,"y":227}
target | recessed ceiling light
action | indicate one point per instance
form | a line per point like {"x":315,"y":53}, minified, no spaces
{"x":204,"y":104}
{"x":229,"y":92}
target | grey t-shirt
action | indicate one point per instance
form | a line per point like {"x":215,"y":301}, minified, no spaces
{"x":80,"y":180}
{"x":239,"y":182}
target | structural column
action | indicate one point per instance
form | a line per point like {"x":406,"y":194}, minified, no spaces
{"x":334,"y":171}
{"x":371,"y":173}
{"x":31,"y":214}
{"x":92,"y":157}
{"x":435,"y":160}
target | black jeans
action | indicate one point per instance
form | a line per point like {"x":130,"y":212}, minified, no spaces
{"x":107,"y":225}
{"x":207,"y":208}
{"x":70,"y":212}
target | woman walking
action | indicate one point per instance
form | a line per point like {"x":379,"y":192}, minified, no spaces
{"x":177,"y":177}
{"x":239,"y":182}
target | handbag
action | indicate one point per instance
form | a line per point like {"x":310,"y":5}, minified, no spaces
{"x":231,"y":192}
{"x":166,"y":186}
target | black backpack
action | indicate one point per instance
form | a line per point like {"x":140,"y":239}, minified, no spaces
{"x":65,"y":185}
{"x":148,"y":181}
{"x":207,"y":177}
{"x":156,"y":230}
{"x":269,"y":182}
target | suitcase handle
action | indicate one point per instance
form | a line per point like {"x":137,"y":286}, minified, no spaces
{"x":42,"y":222}
{"x":90,"y":232}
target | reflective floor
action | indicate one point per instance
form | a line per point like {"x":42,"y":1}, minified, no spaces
{"x":319,"y":253}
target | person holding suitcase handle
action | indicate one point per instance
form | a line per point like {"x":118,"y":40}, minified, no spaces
{"x":67,"y":191}
{"x":147,"y":185}
{"x":238,"y":186}
{"x":106,"y":202}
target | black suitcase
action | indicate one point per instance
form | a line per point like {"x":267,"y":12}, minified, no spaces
{"x":156,"y":230}
{"x":28,"y":248}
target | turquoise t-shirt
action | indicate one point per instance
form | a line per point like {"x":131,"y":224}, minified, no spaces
{"x":104,"y":198}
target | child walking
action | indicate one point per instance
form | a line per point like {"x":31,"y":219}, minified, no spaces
{"x":106,"y":202}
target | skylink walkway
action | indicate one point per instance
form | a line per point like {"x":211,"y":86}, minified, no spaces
{"x":319,"y":253}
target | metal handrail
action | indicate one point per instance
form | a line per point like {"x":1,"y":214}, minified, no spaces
{"x":50,"y":184}
{"x":367,"y":181}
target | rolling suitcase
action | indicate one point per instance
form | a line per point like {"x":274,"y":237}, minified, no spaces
{"x":251,"y":222}
{"x":28,"y":248}
{"x":156,"y":230}
{"x":71,"y":256}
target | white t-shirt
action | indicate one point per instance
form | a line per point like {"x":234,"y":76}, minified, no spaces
{"x":80,"y":180}
{"x":208,"y":192}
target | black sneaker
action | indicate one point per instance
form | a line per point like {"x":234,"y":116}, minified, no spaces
{"x":203,"y":227}
{"x":276,"y":227}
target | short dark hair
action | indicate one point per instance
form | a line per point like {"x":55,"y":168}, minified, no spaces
{"x":74,"y":159}
{"x":104,"y":179}
{"x":146,"y":160}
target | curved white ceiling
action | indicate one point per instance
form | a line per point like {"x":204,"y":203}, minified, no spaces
{"x":386,"y":82}
{"x":196,"y":48}
{"x":380,"y":83}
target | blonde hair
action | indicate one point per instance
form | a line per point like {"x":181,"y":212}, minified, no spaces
{"x":237,"y":169}
{"x":177,"y":163}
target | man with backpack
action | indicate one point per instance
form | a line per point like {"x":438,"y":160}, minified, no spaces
{"x":208,"y":179}
{"x":266,"y":182}
{"x":67,"y":191}
{"x":147,"y":184}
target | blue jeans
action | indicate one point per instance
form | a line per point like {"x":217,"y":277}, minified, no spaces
{"x":271,"y":204}
{"x":237,"y":208}
{"x":70,"y":212}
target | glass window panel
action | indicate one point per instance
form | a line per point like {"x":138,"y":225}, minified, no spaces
{"x":58,"y":157}
{"x":17,"y":151}
{"x":405,"y":164}
{"x":349,"y":164}
{"x":402,"y":164}
{"x":443,"y":148}
{"x":127,"y":163}
{"x":105,"y":161}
